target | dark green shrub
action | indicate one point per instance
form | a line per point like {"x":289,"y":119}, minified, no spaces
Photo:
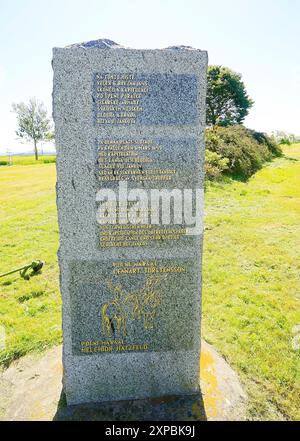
{"x":270,"y":142}
{"x":285,"y":141}
{"x":3,"y":162}
{"x":49,"y":161}
{"x":245,"y":152}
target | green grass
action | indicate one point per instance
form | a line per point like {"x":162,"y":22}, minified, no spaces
{"x":27,"y":160}
{"x":251,"y":294}
{"x":29,"y":310}
{"x":251,"y":269}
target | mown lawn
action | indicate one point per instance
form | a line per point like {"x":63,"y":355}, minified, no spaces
{"x":26,"y":160}
{"x":29,"y":310}
{"x":251,"y":295}
{"x":251,"y":269}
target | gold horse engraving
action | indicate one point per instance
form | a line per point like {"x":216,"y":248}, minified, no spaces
{"x":141,"y":304}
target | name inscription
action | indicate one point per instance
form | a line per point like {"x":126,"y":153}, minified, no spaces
{"x":129,"y":305}
{"x":144,"y":99}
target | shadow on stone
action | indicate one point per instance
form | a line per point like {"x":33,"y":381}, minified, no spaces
{"x":169,"y":408}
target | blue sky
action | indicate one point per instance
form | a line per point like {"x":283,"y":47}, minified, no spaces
{"x":258,"y":38}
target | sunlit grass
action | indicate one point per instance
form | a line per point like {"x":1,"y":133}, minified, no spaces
{"x":29,"y":310}
{"x":251,"y":293}
{"x":26,"y":160}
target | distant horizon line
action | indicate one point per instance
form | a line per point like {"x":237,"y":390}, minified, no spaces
{"x":27,"y":153}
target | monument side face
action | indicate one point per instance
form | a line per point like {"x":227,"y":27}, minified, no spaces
{"x":129,"y":130}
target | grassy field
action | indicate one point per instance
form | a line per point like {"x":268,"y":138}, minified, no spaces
{"x":29,"y":310}
{"x":251,"y":275}
{"x":27,"y":160}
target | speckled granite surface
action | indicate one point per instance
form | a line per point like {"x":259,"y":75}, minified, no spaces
{"x":152,"y":351}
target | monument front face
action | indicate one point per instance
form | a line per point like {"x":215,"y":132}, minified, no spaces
{"x":130,"y":148}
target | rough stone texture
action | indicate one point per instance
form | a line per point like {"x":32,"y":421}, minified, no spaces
{"x":223,"y":396}
{"x":103,"y":43}
{"x":31,"y":390}
{"x":174,"y":112}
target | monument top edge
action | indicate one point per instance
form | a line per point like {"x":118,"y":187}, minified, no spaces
{"x":105,"y":43}
{"x":101,"y":43}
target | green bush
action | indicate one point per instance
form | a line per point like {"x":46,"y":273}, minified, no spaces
{"x":3,"y":162}
{"x":215,"y":165}
{"x":49,"y":161}
{"x":245,"y":150}
{"x":269,"y":141}
{"x":285,"y":141}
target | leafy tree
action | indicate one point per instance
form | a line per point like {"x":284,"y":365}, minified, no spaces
{"x":33,"y":122}
{"x":285,"y":138}
{"x":227,"y":100}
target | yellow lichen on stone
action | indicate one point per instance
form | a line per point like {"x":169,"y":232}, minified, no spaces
{"x":211,"y":393}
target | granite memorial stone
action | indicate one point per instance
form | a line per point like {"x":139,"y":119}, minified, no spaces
{"x":129,"y":124}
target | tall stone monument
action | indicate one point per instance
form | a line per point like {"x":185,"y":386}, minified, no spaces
{"x":129,"y":130}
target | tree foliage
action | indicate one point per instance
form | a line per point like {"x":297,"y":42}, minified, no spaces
{"x":282,"y":137}
{"x":33,"y":122}
{"x":227,"y":100}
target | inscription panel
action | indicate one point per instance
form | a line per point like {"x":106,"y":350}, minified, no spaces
{"x":130,"y":306}
{"x":154,"y":163}
{"x":157,"y":163}
{"x":144,"y":99}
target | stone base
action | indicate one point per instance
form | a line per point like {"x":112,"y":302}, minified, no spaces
{"x":31,"y":390}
